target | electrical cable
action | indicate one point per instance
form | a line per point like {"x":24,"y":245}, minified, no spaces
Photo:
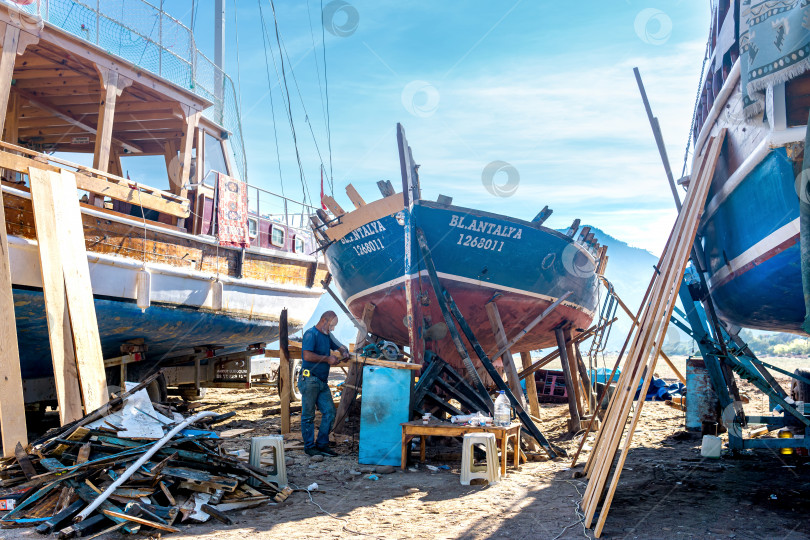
{"x":265,"y":39}
{"x":328,"y":117}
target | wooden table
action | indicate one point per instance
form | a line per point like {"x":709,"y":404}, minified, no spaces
{"x":446,"y":429}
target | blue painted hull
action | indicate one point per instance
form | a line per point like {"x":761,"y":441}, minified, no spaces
{"x":478,"y":256}
{"x":752,"y":253}
{"x":167,"y":329}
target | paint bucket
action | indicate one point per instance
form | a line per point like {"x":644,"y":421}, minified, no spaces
{"x":702,"y":404}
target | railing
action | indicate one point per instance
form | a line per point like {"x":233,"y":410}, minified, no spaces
{"x":279,"y":208}
{"x":147,"y":36}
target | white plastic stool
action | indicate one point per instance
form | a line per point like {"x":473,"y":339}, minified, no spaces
{"x":492,"y":472}
{"x":257,"y":445}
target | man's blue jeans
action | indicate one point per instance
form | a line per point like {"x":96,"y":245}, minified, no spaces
{"x":315,"y":393}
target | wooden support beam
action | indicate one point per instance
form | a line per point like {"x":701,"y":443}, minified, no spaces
{"x":355,"y":197}
{"x":79,"y":290}
{"x":574,"y":423}
{"x":186,"y":144}
{"x":355,"y":375}
{"x":284,"y":372}
{"x":12,"y":405}
{"x":531,"y":385}
{"x":332,"y":205}
{"x":572,"y":366}
{"x":508,"y":362}
{"x":113,"y":84}
{"x":44,"y":196}
{"x":112,"y":186}
{"x":590,"y":398}
{"x":72,"y":120}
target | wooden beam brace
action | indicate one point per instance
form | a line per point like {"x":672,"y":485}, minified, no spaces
{"x":508,"y":361}
{"x":113,"y":84}
{"x":355,"y":197}
{"x":186,"y":145}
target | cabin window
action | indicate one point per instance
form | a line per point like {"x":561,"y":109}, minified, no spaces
{"x":299,"y":245}
{"x":214,"y":159}
{"x":253,"y":227}
{"x":277,"y":236}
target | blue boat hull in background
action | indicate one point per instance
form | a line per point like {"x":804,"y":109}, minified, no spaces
{"x":751,"y":243}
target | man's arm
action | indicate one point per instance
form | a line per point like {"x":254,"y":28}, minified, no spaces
{"x":310,"y":356}
{"x":338,"y":346}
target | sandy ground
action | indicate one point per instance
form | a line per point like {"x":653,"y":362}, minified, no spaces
{"x":666,"y":490}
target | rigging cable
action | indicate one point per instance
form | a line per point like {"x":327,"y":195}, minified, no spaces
{"x":328,"y":117}
{"x":301,"y":98}
{"x":265,"y":39}
{"x":695,"y":109}
{"x":238,"y":69}
{"x":289,"y":107}
{"x":317,"y":66}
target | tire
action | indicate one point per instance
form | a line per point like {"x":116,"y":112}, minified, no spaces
{"x":190,"y":393}
{"x":800,"y":390}
{"x":158,"y":390}
{"x":295,"y":371}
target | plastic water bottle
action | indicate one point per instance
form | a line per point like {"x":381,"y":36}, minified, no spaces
{"x":503,"y":411}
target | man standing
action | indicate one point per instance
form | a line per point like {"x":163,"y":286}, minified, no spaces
{"x":317,"y":359}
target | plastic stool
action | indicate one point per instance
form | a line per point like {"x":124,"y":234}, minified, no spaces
{"x":279,"y":471}
{"x":492,"y":472}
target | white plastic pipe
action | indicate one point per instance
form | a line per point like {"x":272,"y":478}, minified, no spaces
{"x":137,"y":465}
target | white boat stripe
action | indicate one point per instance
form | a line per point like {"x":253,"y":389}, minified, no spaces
{"x":462,"y":279}
{"x":781,"y":235}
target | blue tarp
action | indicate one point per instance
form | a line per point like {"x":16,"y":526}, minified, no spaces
{"x":659,"y":390}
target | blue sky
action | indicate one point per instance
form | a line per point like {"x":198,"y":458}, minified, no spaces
{"x":547,"y":87}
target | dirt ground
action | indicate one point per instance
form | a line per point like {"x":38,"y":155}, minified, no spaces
{"x":666,"y":491}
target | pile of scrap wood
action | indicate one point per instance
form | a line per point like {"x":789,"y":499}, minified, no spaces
{"x":131,"y":465}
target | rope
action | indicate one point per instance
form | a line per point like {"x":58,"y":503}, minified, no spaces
{"x":694,"y":110}
{"x":265,"y":39}
{"x":328,"y":117}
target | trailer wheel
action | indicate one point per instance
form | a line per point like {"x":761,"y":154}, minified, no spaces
{"x":295,"y":372}
{"x":189,"y":393}
{"x":800,"y":390}
{"x":158,"y":390}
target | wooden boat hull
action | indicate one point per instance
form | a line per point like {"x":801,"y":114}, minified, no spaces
{"x":750,"y":227}
{"x":479,"y":257}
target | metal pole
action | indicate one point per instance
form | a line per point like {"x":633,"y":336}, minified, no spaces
{"x":98,"y":14}
{"x":160,"y":39}
{"x":659,"y":140}
{"x":219,"y":53}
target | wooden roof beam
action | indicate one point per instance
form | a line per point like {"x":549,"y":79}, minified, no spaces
{"x":72,"y":120}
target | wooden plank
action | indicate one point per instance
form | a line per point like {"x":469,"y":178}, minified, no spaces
{"x":647,"y":343}
{"x":531,"y":385}
{"x":66,"y":380}
{"x":574,"y":423}
{"x":370,"y":212}
{"x":12,"y":406}
{"x":24,"y":461}
{"x":508,"y":362}
{"x":140,"y":521}
{"x":186,"y":144}
{"x":355,"y":197}
{"x":79,"y":290}
{"x":123,"y":191}
{"x":284,"y":374}
{"x":332,"y":205}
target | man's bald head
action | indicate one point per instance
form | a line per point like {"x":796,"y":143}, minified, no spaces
{"x":328,"y":322}
{"x":328,"y":316}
